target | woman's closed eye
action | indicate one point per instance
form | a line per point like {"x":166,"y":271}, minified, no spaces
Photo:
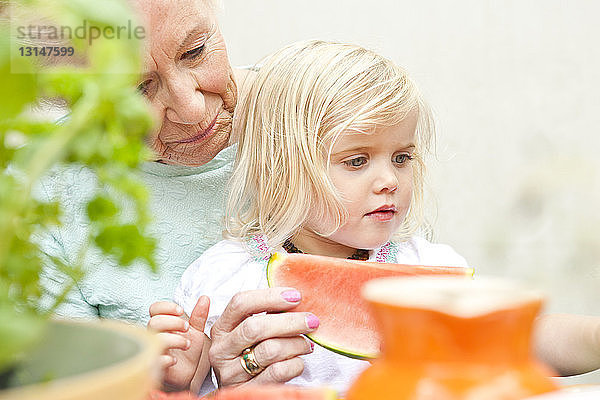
{"x":402,"y":158}
{"x":356,"y":162}
{"x":192,"y":54}
{"x":145,"y":88}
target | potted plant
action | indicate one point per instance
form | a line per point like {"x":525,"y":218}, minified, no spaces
{"x":103,"y":132}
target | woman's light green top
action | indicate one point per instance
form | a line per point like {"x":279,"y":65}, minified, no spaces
{"x":187,"y":204}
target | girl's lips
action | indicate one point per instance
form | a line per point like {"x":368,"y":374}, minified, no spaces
{"x":201,"y":135}
{"x":382,"y":215}
{"x":385,"y":207}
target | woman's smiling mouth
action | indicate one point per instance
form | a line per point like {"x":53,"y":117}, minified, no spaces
{"x":200,"y":136}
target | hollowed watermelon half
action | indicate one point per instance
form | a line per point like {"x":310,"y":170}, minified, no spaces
{"x":253,"y":392}
{"x":273,"y":392}
{"x":331,"y":289}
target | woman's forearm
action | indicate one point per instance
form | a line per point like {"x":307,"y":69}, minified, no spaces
{"x":570,"y":344}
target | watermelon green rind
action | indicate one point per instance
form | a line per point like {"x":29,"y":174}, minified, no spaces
{"x":343,"y":352}
{"x":275,"y":261}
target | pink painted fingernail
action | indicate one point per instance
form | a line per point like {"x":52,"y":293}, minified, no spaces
{"x":292,"y":296}
{"x":312,"y":321}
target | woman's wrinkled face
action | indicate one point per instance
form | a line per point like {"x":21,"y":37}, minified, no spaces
{"x":188,"y":81}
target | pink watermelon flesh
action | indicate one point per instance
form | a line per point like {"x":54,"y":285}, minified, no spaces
{"x":331,"y":289}
{"x":273,"y":392}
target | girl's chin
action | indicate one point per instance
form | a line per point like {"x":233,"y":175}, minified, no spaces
{"x":367,"y":244}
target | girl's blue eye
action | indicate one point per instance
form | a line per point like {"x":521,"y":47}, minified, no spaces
{"x":191,"y":54}
{"x":356,"y":162}
{"x":402,"y":158}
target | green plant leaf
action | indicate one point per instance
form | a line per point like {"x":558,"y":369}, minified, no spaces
{"x":126,"y":244}
{"x":105,"y":12}
{"x":101,"y":208}
{"x":19,"y":89}
{"x":20,"y":331}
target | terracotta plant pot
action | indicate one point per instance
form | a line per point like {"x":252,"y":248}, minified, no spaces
{"x":451,"y":339}
{"x":92,"y":360}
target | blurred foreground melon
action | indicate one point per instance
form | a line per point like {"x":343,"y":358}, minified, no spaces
{"x":274,"y":392}
{"x":331,"y":289}
{"x":253,"y":392}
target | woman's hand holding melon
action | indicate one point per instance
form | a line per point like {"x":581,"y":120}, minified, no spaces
{"x":275,"y":337}
{"x":185,"y":358}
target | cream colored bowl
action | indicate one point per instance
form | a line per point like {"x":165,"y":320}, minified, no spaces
{"x":93,"y":361}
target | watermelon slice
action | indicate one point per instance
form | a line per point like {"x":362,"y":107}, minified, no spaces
{"x":331,"y":289}
{"x":273,"y":392}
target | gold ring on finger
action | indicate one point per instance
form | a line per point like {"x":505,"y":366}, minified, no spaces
{"x":249,"y":363}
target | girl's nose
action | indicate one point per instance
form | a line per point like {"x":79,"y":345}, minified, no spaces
{"x":185,"y":102}
{"x":386,"y":181}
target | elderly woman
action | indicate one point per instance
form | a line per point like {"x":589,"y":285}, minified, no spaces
{"x":192,"y":89}
{"x":190,"y":85}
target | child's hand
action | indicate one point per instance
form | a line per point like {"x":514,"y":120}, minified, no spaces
{"x":185,"y":359}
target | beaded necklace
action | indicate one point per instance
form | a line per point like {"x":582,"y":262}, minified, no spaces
{"x":359,"y":254}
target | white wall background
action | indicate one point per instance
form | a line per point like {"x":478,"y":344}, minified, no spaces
{"x":515,"y":86}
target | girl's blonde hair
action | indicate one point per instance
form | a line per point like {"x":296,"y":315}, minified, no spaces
{"x":302,"y":98}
